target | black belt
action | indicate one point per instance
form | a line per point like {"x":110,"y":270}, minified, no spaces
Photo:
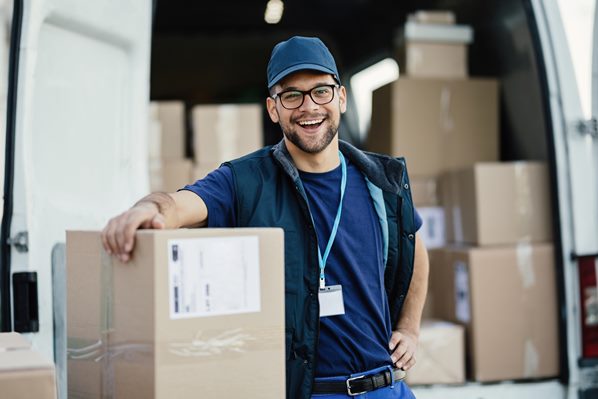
{"x":362,"y":384}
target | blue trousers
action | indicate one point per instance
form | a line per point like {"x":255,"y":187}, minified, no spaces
{"x":399,"y":390}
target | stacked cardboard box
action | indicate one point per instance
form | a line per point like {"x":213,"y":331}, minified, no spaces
{"x":497,"y":278}
{"x":505,"y":296}
{"x":439,"y":120}
{"x":191,"y":315}
{"x":432,"y":46}
{"x":169,"y":169}
{"x":436,"y":124}
{"x":440,"y":354}
{"x":497,"y":203}
{"x":24,"y":373}
{"x":224,"y":132}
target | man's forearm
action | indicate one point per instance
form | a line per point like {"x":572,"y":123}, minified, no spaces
{"x":414,"y":302}
{"x":165,"y":205}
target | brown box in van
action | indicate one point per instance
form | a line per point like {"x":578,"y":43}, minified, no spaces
{"x":506,"y":297}
{"x":440,"y":354}
{"x":225,"y":132}
{"x":498,"y":203}
{"x":437,"y":125}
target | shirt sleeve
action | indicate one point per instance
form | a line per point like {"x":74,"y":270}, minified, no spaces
{"x":218,"y":193}
{"x":418,"y":219}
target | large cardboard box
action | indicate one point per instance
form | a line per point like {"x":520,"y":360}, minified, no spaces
{"x":196,"y":313}
{"x":24,"y":373}
{"x":506,"y":297}
{"x":169,"y":175}
{"x":225,"y":132}
{"x":433,"y":60}
{"x":440,"y":354}
{"x":431,"y":50}
{"x":424,"y":191}
{"x":167,"y":140}
{"x":201,"y":171}
{"x":498,"y":203}
{"x":437,"y":125}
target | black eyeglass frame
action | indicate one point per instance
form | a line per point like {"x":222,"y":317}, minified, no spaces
{"x":304,"y":93}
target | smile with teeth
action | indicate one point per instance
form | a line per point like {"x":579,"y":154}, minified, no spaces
{"x":312,"y":122}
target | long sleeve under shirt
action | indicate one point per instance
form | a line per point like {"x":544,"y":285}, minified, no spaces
{"x":358,"y":340}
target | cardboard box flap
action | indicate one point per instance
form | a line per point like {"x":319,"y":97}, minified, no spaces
{"x":23,"y":360}
{"x":457,"y":34}
{"x":12,"y":341}
{"x":433,"y":17}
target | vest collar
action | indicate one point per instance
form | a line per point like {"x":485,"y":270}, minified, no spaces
{"x":382,"y":170}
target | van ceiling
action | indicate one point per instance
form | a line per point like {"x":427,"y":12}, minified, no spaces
{"x":217,"y":51}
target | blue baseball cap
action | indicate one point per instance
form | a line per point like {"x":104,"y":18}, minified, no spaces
{"x":300,"y":53}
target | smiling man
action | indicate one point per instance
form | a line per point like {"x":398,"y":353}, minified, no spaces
{"x":355,"y":269}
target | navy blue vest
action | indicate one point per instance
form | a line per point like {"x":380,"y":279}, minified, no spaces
{"x":269,"y":193}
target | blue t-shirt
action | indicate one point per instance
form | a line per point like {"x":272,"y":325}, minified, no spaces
{"x":358,"y":340}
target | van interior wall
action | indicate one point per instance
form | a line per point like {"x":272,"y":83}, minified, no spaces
{"x":227,"y":63}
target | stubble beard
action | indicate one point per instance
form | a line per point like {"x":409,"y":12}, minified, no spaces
{"x":314,"y":146}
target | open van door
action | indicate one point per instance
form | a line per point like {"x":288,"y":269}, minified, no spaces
{"x":567,"y":34}
{"x":75,"y":148}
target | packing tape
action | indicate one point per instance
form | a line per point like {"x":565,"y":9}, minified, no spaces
{"x":531,"y":359}
{"x":525,"y":264}
{"x":523,"y":201}
{"x":106,"y":303}
{"x":457,"y":224}
{"x":446,"y":119}
{"x":218,"y":343}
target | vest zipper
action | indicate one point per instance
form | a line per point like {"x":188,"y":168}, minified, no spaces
{"x":306,"y":213}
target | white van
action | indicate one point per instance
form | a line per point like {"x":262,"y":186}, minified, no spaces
{"x":77,"y":108}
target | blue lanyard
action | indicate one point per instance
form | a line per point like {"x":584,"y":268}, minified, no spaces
{"x":322,"y":259}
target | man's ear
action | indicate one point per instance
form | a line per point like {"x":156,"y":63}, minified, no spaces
{"x":342,"y":97}
{"x":272,"y":111}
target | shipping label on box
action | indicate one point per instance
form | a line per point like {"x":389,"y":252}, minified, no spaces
{"x":462,"y":304}
{"x":214,"y":276}
{"x":432,"y":230}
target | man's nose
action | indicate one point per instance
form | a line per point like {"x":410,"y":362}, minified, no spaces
{"x":308,"y":102}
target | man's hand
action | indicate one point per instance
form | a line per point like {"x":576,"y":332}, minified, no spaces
{"x":403,"y":345}
{"x":118,"y":237}
{"x":155,"y":211}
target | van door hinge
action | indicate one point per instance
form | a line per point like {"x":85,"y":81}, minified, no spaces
{"x":587,"y":127}
{"x":20,"y":241}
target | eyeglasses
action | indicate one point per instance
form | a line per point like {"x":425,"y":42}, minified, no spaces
{"x":293,"y":99}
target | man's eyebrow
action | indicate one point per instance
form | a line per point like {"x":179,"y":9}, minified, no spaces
{"x":313,"y":87}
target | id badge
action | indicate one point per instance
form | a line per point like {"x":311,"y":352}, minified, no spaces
{"x":331,"y":301}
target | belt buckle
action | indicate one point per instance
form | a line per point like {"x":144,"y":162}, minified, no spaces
{"x":348,"y":382}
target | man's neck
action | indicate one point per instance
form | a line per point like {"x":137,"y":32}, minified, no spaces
{"x":324,"y":161}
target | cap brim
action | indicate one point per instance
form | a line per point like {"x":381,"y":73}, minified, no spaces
{"x":301,"y":67}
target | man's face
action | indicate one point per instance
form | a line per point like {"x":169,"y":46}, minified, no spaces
{"x":311,"y":127}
